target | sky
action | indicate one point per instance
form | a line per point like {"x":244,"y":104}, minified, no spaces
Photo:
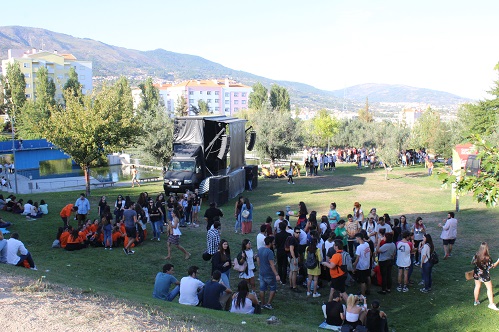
{"x":444,"y":45}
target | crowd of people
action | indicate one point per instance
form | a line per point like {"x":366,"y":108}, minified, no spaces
{"x":30,"y":209}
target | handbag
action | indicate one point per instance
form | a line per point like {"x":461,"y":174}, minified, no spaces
{"x":238,"y":267}
{"x":245,"y":214}
{"x":469,"y":275}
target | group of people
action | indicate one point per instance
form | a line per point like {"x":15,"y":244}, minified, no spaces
{"x":30,"y":209}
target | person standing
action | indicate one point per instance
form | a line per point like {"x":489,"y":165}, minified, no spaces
{"x":282,"y":257}
{"x":222,"y":262}
{"x":175,"y":233}
{"x":163,"y":283}
{"x":404,"y":249}
{"x":362,"y":263}
{"x":449,"y":233}
{"x":83,"y":206}
{"x":427,"y":248}
{"x":268,"y":272}
{"x":135,"y":173}
{"x":481,"y":273}
{"x":213,"y":238}
{"x":246,"y":216}
{"x":66,"y":212}
{"x":211,"y":213}
{"x":156,"y":217}
{"x":130,"y":221}
{"x":386,"y":253}
{"x":290,"y":173}
{"x":293,"y":258}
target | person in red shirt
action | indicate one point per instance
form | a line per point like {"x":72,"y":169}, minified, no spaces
{"x":63,"y":240}
{"x":66,"y":212}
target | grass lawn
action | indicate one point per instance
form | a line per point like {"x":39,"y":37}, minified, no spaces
{"x":449,"y":307}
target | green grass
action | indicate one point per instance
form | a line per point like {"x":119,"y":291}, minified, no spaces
{"x":408,"y":191}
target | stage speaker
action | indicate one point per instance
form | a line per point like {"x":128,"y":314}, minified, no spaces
{"x":219,"y":190}
{"x":224,"y":147}
{"x":252,"y":140}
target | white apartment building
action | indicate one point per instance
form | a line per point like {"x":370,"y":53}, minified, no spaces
{"x":58,"y":66}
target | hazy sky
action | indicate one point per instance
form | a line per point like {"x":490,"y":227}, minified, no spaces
{"x":439,"y":44}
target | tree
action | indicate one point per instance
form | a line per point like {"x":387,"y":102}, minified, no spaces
{"x":278,"y":133}
{"x":72,"y":84}
{"x":321,"y":129}
{"x":389,"y":141}
{"x":150,"y":97}
{"x":45,"y":89}
{"x":279,"y":98}
{"x":181,"y":109}
{"x":425,"y":131}
{"x":87,"y":129}
{"x":203,"y":108}
{"x":258,"y":98}
{"x":157,"y":137}
{"x":364,"y":114}
{"x":15,"y":89}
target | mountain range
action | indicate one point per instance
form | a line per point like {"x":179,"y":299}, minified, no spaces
{"x":109,"y":60}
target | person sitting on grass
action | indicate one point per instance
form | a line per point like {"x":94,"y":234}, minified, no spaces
{"x":163,"y":283}
{"x":376,"y":319}
{"x":75,"y":241}
{"x":17,"y":254}
{"x":4,"y":224}
{"x":44,"y":207}
{"x":334,"y":313}
{"x":63,"y":239}
{"x":190,"y":286}
{"x":215,"y":294}
{"x":244,"y":302}
{"x":3,"y":249}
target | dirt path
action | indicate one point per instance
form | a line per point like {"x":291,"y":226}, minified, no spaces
{"x":28,"y":305}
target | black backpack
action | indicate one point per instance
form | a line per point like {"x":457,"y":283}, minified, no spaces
{"x":434,"y":258}
{"x":311,"y":262}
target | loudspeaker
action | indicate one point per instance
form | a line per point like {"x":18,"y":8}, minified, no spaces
{"x":224,"y":147}
{"x":219,"y":190}
{"x":252,"y":140}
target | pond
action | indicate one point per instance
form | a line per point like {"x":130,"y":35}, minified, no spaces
{"x":64,"y":168}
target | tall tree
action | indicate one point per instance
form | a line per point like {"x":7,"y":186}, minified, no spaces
{"x":364,"y":114}
{"x":203,"y":108}
{"x":321,"y":129}
{"x":277,"y":130}
{"x":389,"y":141}
{"x":258,"y":98}
{"x":72,"y":84}
{"x":150,"y":97}
{"x":15,"y":86}
{"x":181,"y":109}
{"x":87,"y":129}
{"x":157,"y":137}
{"x":424,"y":132}
{"x":45,"y":89}
{"x":279,"y":98}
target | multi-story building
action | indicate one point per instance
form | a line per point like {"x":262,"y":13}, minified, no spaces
{"x":222,"y":97}
{"x":58,"y":66}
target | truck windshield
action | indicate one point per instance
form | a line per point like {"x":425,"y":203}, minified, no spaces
{"x":182,"y":166}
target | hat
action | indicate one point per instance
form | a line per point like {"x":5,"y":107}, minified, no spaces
{"x":280,"y":213}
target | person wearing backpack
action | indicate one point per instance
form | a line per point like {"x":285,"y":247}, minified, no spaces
{"x":426,"y":264}
{"x":312,"y":258}
{"x":337,"y":271}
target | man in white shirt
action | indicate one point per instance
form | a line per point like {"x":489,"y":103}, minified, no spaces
{"x":362,"y":262}
{"x":382,"y":225}
{"x":449,"y":233}
{"x":404,"y":248}
{"x":17,"y":252}
{"x":260,"y":238}
{"x":280,"y":218}
{"x":190,"y":287}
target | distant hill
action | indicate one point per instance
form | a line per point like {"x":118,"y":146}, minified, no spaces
{"x":109,"y":60}
{"x":395,"y":93}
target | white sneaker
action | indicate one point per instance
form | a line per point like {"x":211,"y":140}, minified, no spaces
{"x":309,"y":293}
{"x":493,"y":307}
{"x":316,"y":295}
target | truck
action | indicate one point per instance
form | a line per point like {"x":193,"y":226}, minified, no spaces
{"x":200,"y":151}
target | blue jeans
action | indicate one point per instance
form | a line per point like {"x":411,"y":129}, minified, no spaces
{"x":237,"y":226}
{"x":156,"y":228}
{"x":27,"y":257}
{"x":173,"y":294}
{"x":426,"y":274}
{"x":108,"y":240}
{"x":226,"y":278}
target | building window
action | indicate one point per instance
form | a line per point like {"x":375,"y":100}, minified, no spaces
{"x":243,"y":94}
{"x":208,"y":101}
{"x":27,"y":75}
{"x":236,"y":109}
{"x":28,"y":95}
{"x":217,"y":101}
{"x":243,"y":102}
{"x":191,"y":92}
{"x":200,"y":92}
{"x":208,"y":92}
{"x":227,"y":102}
{"x":216,"y":93}
{"x":227,"y":110}
{"x":227,"y":94}
{"x":236,"y":102}
{"x":27,"y":85}
{"x":236,"y":94}
{"x":217,"y":109}
{"x":191,"y":101}
{"x":26,"y":65}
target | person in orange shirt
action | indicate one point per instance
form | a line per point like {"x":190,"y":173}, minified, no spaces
{"x":117,"y":236}
{"x":337,"y":272}
{"x":63,"y":240}
{"x":94,"y":226}
{"x":66,"y":212}
{"x":75,"y":242}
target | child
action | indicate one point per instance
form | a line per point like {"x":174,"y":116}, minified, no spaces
{"x":107,"y":228}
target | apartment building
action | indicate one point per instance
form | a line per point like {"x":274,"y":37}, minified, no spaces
{"x":223,"y":97}
{"x":58,"y":66}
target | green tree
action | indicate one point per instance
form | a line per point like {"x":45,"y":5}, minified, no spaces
{"x":150,"y":97}
{"x":72,"y":84}
{"x":15,"y":89}
{"x":425,"y":130}
{"x":389,"y":141}
{"x":157,"y":137}
{"x":277,"y":136}
{"x":258,"y":98}
{"x":88,"y":129}
{"x":364,"y":114}
{"x":45,"y":89}
{"x":181,"y":109}
{"x":279,"y":98}
{"x":321,"y":129}
{"x":203,"y":108}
